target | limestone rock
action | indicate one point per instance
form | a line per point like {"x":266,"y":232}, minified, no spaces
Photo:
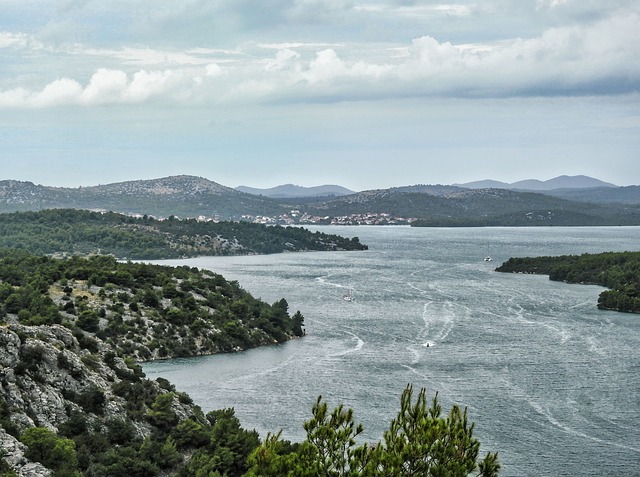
{"x":46,"y":376}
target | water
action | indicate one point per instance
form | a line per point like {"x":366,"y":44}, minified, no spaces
{"x":551,"y":382}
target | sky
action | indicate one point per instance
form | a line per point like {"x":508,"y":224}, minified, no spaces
{"x":364,"y":94}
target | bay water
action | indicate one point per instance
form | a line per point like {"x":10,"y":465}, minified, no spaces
{"x":551,"y":382}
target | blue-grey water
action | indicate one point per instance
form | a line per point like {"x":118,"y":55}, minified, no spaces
{"x":551,"y":382}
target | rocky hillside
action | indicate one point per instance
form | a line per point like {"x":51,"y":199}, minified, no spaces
{"x":72,"y":400}
{"x":48,"y":377}
{"x":143,"y":311}
{"x":182,"y":196}
{"x":70,"y":406}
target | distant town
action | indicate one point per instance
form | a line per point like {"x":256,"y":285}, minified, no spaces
{"x":295,"y":217}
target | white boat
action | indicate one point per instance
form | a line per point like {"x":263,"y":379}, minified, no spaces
{"x":487,"y":258}
{"x":350,"y":296}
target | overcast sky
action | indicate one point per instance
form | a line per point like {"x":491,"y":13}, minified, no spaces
{"x":364,"y":94}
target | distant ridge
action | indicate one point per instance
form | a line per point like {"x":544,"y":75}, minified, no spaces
{"x":182,"y":196}
{"x":560,"y":182}
{"x":288,"y":191}
{"x":438,"y":205}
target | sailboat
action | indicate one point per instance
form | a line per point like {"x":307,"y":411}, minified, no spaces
{"x":349,"y":296}
{"x":488,"y":257}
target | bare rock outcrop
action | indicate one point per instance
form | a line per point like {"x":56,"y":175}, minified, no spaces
{"x":48,"y":375}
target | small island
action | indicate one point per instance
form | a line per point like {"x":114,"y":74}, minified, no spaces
{"x":618,"y":271}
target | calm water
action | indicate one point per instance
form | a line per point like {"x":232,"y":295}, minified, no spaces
{"x":551,"y":382}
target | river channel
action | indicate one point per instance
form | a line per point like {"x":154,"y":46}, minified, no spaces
{"x":551,"y":382}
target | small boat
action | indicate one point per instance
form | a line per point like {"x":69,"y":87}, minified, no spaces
{"x":487,"y":258}
{"x":350,"y":296}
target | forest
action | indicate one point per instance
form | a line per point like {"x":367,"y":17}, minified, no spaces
{"x":82,"y":232}
{"x":617,"y":271}
{"x":144,"y":311}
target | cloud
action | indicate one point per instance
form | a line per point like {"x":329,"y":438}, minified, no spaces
{"x":19,"y":41}
{"x":8,"y":39}
{"x":422,"y":11}
{"x":105,"y":87}
{"x":600,"y":57}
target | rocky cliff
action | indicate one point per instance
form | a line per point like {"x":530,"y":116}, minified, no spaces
{"x":48,"y":377}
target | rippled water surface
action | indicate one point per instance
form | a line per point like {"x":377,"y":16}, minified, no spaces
{"x":551,"y":382}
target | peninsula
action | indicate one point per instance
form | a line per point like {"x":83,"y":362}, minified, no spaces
{"x":618,"y":271}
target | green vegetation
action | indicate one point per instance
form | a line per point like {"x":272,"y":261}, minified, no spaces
{"x":184,"y":196}
{"x":144,"y":311}
{"x":436,"y":206}
{"x":419,"y":442}
{"x":75,"y":326}
{"x":55,"y":453}
{"x":81,"y":232}
{"x":619,"y":271}
{"x":481,"y":207}
{"x":211,"y":445}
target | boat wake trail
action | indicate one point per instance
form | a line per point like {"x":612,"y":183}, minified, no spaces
{"x":359,"y":343}
{"x":438,"y":321}
{"x":556,"y":418}
{"x":548,"y":415}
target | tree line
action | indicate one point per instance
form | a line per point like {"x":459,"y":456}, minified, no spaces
{"x":420,"y":441}
{"x":82,"y":232}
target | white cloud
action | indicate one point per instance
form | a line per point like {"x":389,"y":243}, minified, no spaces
{"x":284,"y":58}
{"x":106,"y":86}
{"x":544,"y":4}
{"x":19,"y":40}
{"x":8,"y":39}
{"x":600,"y":57}
{"x":213,"y":69}
{"x":326,"y":66}
{"x":14,"y":98}
{"x":446,"y":9}
{"x":60,"y":92}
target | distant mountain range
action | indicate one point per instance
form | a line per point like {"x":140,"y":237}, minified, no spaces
{"x":293,"y":191}
{"x":560,"y":182}
{"x":189,"y":196}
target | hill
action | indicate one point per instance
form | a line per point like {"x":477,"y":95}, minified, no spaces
{"x":601,"y":195}
{"x":81,"y":232}
{"x":144,"y":311}
{"x":72,"y":398}
{"x":560,"y":182}
{"x":182,"y":196}
{"x":479,"y":207}
{"x":289,"y":191}
{"x":433,"y":205}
